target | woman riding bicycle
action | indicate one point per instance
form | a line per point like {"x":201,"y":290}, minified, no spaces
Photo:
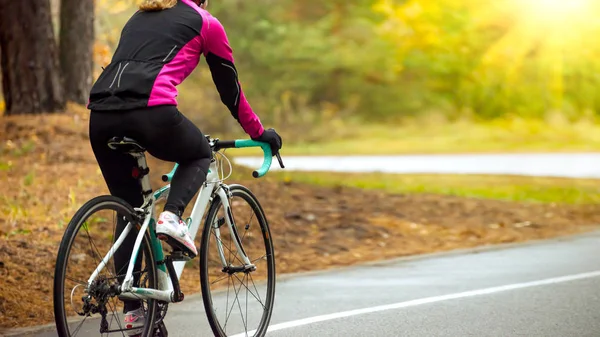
{"x":135,"y":97}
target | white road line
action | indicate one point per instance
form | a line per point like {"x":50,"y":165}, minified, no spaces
{"x":427,"y":300}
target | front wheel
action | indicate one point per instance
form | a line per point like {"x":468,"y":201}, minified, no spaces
{"x":237,"y":299}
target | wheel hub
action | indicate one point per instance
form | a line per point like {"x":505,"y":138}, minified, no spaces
{"x":239,"y":269}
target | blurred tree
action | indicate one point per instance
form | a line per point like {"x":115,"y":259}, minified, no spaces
{"x":76,"y":48}
{"x":314,"y":60}
{"x":29,"y":58}
{"x":302,"y":56}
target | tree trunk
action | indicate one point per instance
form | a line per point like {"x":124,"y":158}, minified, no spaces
{"x":29,"y":58}
{"x":76,"y":48}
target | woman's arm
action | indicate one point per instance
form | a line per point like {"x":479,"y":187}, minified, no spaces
{"x":219,"y":57}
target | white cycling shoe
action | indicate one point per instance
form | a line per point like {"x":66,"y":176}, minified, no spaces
{"x":171,"y":229}
{"x":134,"y":319}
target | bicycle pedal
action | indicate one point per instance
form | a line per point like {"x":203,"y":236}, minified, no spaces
{"x":178,"y":255}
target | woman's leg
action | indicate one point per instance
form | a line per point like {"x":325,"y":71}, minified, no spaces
{"x":167,"y":135}
{"x":116,"y":168}
{"x":176,"y":139}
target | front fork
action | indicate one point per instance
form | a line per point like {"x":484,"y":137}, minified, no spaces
{"x":224,"y":194}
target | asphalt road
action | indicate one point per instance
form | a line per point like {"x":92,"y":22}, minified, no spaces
{"x":549,"y":288}
{"x":570,"y":165}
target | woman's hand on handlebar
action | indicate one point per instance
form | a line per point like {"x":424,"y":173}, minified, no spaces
{"x":271,"y":137}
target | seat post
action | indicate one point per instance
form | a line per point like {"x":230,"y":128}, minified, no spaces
{"x":144,"y":179}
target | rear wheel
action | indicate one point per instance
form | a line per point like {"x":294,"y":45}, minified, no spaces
{"x":82,"y":309}
{"x":237,"y":300}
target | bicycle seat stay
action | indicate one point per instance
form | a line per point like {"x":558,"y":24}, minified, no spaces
{"x":125,"y":145}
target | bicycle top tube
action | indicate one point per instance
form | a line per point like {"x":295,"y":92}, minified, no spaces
{"x":217,"y":145}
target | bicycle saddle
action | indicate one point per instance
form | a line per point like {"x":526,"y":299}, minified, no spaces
{"x":125,"y":144}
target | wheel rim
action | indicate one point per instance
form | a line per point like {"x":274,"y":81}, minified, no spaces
{"x":241,"y":301}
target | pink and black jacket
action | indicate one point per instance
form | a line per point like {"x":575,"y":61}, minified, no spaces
{"x":158,"y":50}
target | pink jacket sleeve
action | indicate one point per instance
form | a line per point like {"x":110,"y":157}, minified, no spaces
{"x":219,"y":57}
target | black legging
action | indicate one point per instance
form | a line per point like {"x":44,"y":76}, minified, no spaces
{"x":167,"y":135}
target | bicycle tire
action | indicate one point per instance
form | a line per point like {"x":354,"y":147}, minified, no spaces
{"x":89,"y":208}
{"x":248,"y":196}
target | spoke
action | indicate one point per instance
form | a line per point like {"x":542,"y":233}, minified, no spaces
{"x":114,"y":239}
{"x":242,"y":283}
{"x":117,"y":319}
{"x":229,"y":249}
{"x":233,"y":304}
{"x":79,"y":326}
{"x":114,"y":230}
{"x":93,"y":245}
{"x":112,"y":303}
{"x":254,"y":285}
{"x":246,"y":231}
{"x":243,"y":235}
{"x":126,"y":265}
{"x":93,"y":249}
{"x":221,"y":279}
{"x":227,"y":303}
{"x":142,"y":302}
{"x":111,"y":320}
{"x":133,"y":274}
{"x":262,"y":257}
{"x":120,"y":271}
{"x":76,"y":280}
{"x":236,"y":222}
{"x":106,"y":268}
{"x":233,"y":257}
{"x":246,"y":303}
{"x":240,"y":307}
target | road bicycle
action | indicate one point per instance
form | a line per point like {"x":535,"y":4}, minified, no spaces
{"x":236,"y":256}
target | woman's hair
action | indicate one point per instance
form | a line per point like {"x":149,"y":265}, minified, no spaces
{"x":157,"y":5}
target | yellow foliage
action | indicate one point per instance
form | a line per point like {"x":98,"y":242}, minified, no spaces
{"x":119,"y":7}
{"x":102,"y":53}
{"x":2,"y":107}
{"x":410,"y":24}
{"x":115,"y":6}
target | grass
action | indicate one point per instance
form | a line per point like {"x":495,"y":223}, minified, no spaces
{"x":434,"y":134}
{"x":512,"y":188}
{"x":5,"y":166}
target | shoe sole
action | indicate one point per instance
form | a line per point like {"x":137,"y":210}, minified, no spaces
{"x":176,"y":245}
{"x":130,"y":326}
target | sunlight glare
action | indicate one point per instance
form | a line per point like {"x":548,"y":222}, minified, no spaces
{"x":552,"y":11}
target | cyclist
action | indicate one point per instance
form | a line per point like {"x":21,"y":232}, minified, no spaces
{"x":135,"y":96}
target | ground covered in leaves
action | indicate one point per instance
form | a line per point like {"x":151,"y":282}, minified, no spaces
{"x":48,"y":171}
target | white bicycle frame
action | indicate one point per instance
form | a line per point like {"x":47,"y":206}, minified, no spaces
{"x":213,"y":187}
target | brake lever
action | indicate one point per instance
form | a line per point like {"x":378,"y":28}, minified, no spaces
{"x":280,"y":160}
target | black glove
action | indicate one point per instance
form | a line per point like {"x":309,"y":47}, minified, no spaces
{"x":271,"y":137}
